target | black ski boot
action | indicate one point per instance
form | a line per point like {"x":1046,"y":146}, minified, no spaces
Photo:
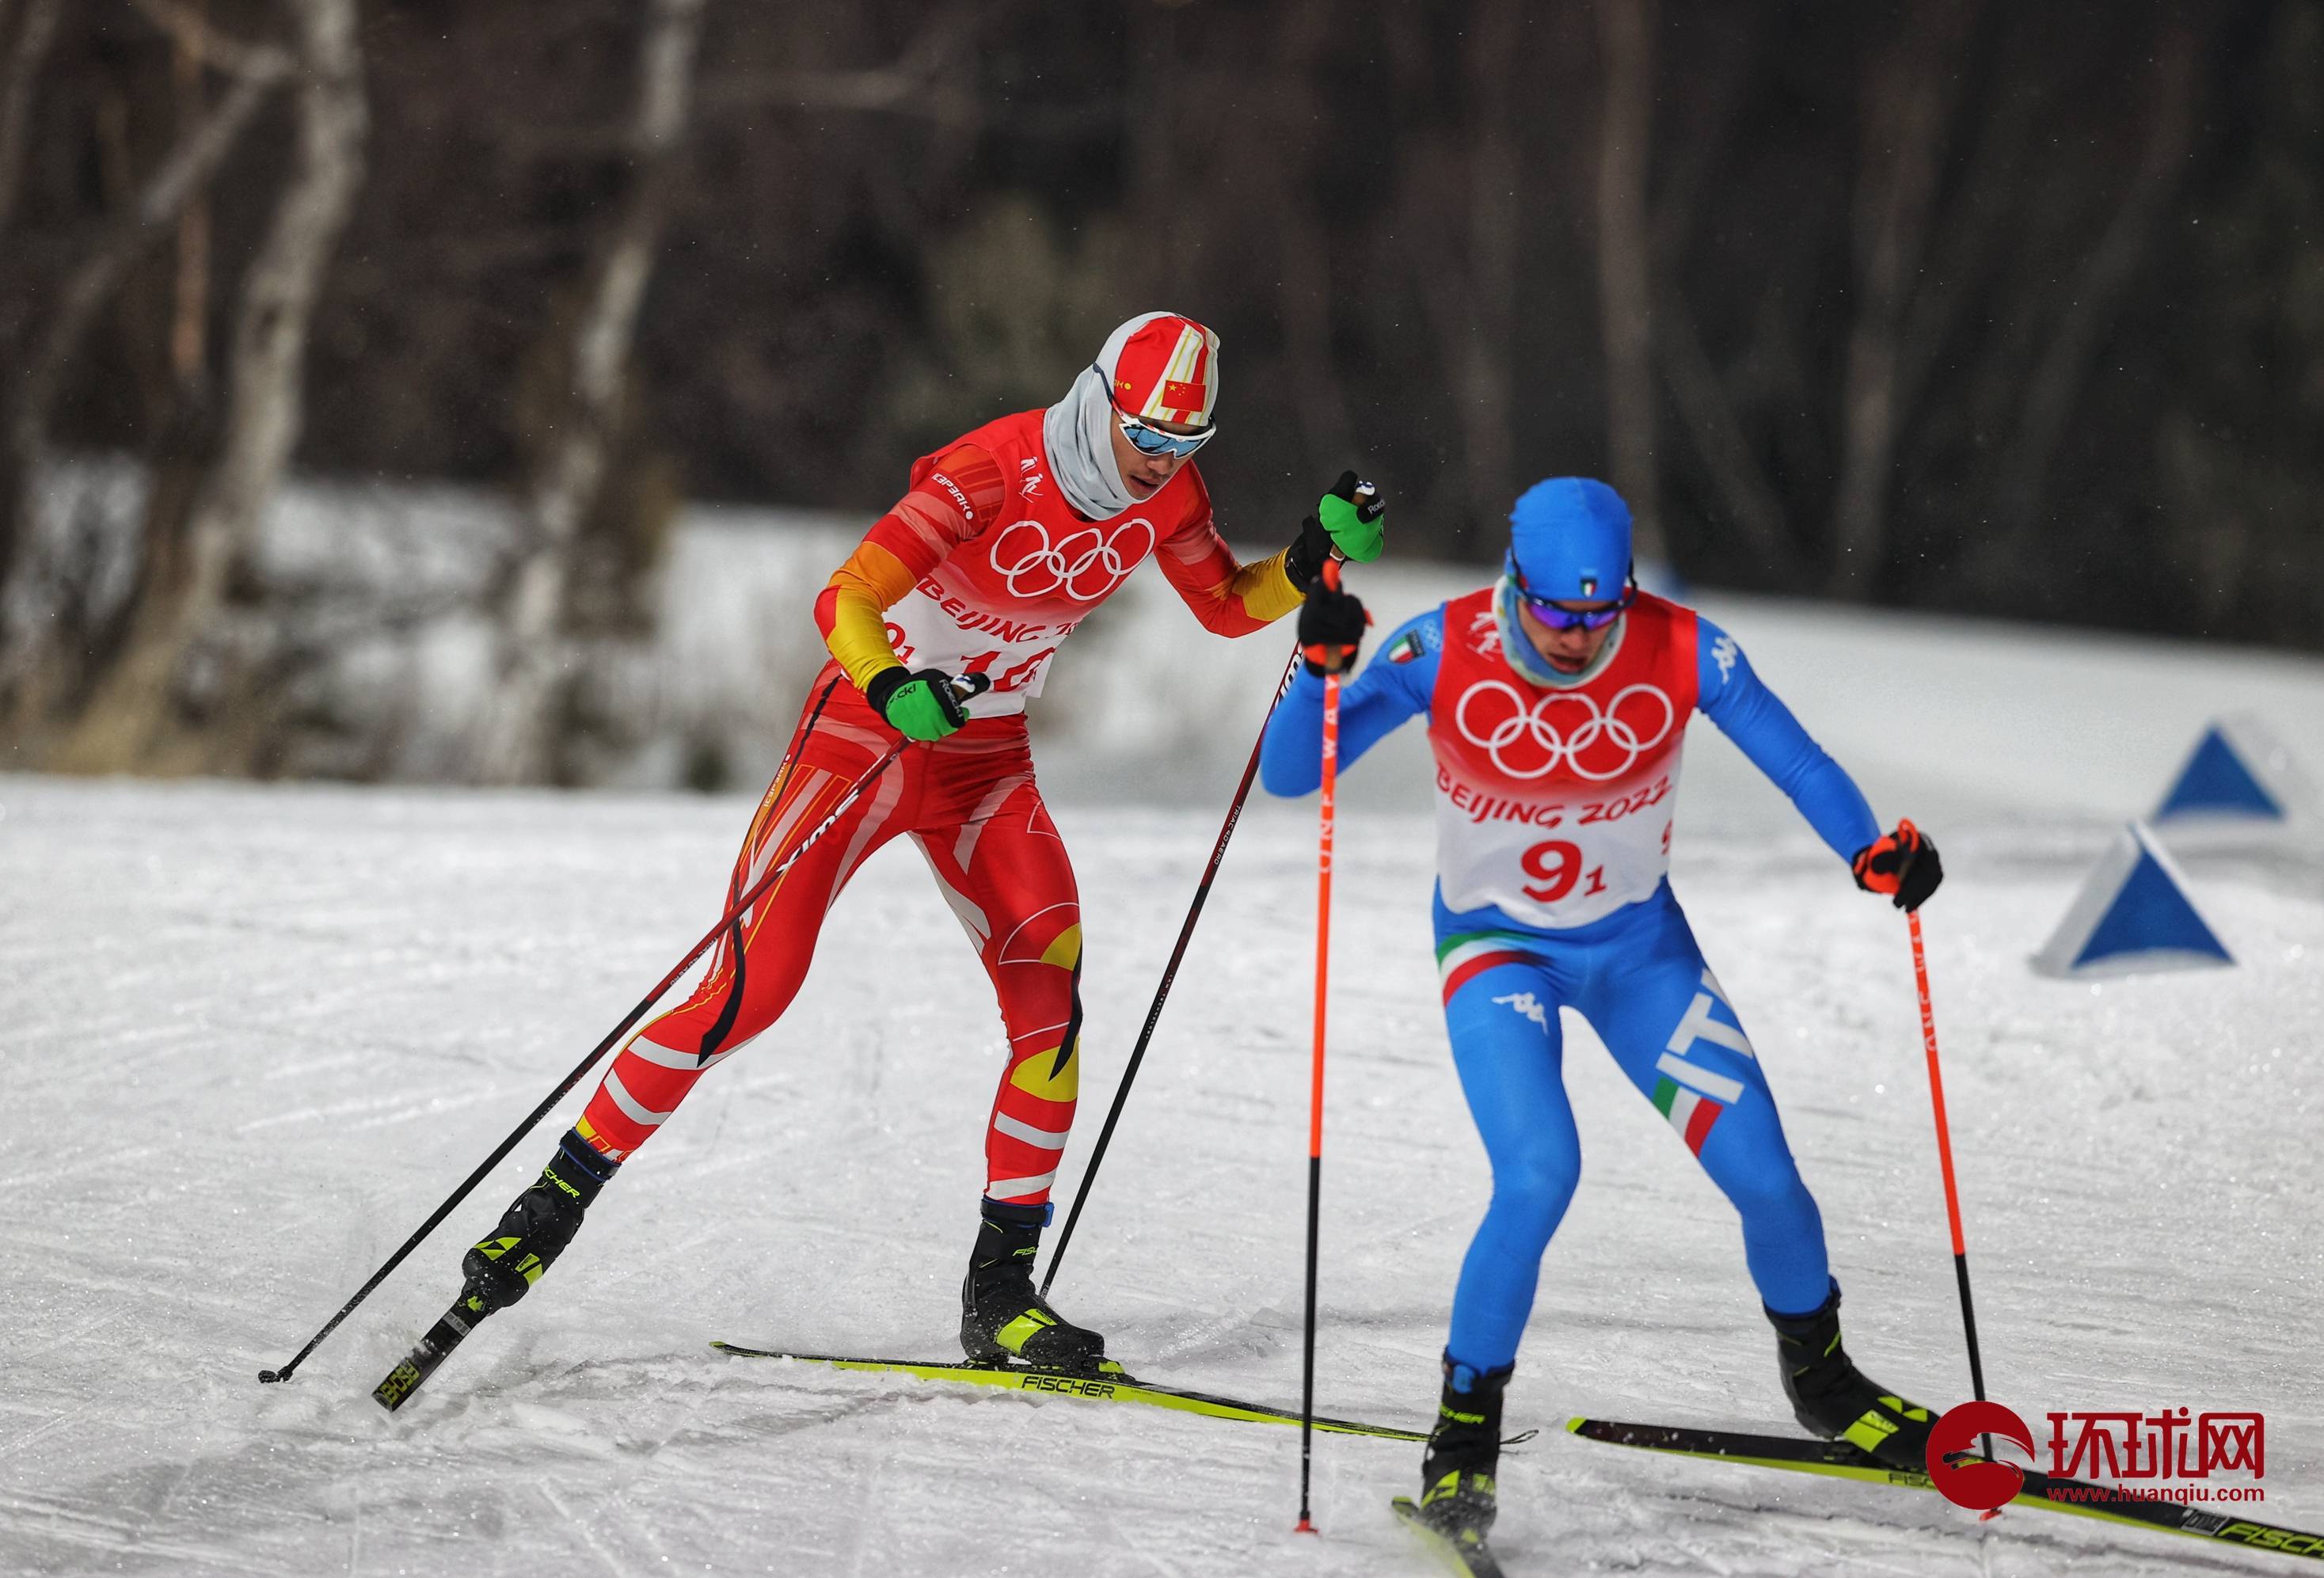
{"x":1464,"y":1454}
{"x":535,"y":1228}
{"x":1002,"y":1318}
{"x":1830,"y":1396}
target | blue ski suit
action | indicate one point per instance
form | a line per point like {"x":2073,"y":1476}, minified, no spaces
{"x":1584,"y":918}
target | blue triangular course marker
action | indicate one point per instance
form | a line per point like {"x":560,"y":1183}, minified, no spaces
{"x":2132,"y":917}
{"x":2216,"y":782}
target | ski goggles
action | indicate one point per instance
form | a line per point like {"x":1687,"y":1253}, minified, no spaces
{"x":1151,"y":440}
{"x":1545,"y":608}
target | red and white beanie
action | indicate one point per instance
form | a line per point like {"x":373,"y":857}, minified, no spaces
{"x":1166,"y":369}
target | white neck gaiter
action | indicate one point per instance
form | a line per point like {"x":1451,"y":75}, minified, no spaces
{"x":1078,"y":433}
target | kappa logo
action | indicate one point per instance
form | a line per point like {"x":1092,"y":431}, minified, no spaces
{"x":1525,"y":1005}
{"x":1086,"y":566}
{"x":1564,"y":728}
{"x":1723,"y":653}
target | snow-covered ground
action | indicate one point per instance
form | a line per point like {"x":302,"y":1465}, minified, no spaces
{"x":249,"y":1038}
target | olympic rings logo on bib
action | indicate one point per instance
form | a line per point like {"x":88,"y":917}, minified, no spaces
{"x":1086,"y":565}
{"x":1564,"y":729}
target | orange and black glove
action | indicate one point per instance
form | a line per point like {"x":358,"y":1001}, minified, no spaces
{"x":1903,"y":864}
{"x":1330,"y":626}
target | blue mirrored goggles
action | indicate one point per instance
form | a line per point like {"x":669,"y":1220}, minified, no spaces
{"x":1545,"y":608}
{"x":1151,"y":440}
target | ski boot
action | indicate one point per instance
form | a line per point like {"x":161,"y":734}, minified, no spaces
{"x":532,"y":1232}
{"x":1463,"y":1455}
{"x":1830,"y":1396}
{"x":535,"y":1228}
{"x":1002,"y":1319}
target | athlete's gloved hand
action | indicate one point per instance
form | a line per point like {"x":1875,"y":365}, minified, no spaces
{"x":1350,"y":518}
{"x":1331,"y":627}
{"x":1355,"y":514}
{"x":925,"y":706}
{"x":1903,"y":863}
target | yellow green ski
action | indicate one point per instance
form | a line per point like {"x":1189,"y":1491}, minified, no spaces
{"x":1462,"y":1555}
{"x":1116,"y":1387}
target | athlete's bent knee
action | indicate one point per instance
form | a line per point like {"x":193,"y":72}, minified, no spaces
{"x":1765,"y":1193}
{"x":1531,"y":1192}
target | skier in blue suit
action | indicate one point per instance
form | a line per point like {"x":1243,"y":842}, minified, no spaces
{"x":1556,"y":702}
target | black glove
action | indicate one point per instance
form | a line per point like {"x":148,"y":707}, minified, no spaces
{"x":1903,"y":863}
{"x":1356,"y":516}
{"x":1330,"y":628}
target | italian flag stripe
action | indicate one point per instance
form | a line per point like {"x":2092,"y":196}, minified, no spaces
{"x":1690,"y":1112}
{"x":1474,"y":964}
{"x":1449,"y":951}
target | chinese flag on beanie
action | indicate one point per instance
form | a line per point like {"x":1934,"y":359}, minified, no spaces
{"x":1168,"y":372}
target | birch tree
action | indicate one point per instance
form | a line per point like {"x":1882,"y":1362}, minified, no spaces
{"x":140,"y":717}
{"x":35,"y":32}
{"x":1625,"y":29}
{"x":1909,"y":89}
{"x":42,"y":647}
{"x":536,"y":656}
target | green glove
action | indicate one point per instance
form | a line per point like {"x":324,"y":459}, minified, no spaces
{"x":1355,"y":514}
{"x":1352,"y":520}
{"x":919,"y":707}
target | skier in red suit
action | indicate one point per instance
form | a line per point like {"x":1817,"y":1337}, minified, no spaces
{"x":1005,"y":540}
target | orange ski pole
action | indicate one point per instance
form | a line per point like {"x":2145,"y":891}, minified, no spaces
{"x":1330,"y":657}
{"x":1945,"y":1155}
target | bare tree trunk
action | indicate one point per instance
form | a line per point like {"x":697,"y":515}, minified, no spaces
{"x":1482,"y":299}
{"x":2089,"y":310}
{"x":26,"y":402}
{"x":128,"y":721}
{"x":1704,"y":406}
{"x":1625,"y":271}
{"x":1907,"y":102}
{"x":190,"y":300}
{"x":1304,"y":292}
{"x":1152,"y":103}
{"x":35,"y":33}
{"x":516,"y":744}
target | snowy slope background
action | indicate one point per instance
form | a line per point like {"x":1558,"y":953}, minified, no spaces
{"x":250,"y":1036}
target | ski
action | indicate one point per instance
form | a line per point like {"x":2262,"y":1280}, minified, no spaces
{"x":1839,"y":1459}
{"x":1463,"y":1558}
{"x":1108,"y":1388}
{"x":453,"y":1324}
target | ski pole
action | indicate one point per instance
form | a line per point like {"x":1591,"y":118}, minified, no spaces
{"x":968,"y":685}
{"x":1945,"y":1156}
{"x":1329,"y":658}
{"x":1170,"y":976}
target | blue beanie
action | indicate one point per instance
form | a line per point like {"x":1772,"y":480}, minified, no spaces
{"x":1570,"y":540}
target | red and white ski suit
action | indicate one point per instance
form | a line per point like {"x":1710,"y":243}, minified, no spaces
{"x":981,"y":567}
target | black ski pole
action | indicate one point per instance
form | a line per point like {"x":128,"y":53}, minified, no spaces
{"x":1170,"y":976}
{"x":516,"y":1136}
